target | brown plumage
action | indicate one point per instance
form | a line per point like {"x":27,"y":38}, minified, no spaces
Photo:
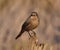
{"x":30,"y":24}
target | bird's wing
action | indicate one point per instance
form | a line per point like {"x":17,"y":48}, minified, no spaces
{"x":26,"y":23}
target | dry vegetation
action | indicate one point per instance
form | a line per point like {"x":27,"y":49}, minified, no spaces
{"x":14,"y":12}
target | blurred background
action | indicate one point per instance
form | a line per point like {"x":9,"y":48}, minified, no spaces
{"x":13,"y":13}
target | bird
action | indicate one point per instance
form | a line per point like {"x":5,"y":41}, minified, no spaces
{"x":31,"y":23}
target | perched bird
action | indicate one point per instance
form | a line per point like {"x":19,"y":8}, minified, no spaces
{"x":31,"y":23}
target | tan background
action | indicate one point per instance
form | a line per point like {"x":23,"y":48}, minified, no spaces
{"x":13,"y":13}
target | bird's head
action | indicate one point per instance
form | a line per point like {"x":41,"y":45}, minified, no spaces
{"x":34,"y":14}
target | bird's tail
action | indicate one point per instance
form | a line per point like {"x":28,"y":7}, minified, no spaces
{"x":19,"y":34}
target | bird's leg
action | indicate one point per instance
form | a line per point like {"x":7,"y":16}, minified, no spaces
{"x":29,"y":34}
{"x":32,"y":33}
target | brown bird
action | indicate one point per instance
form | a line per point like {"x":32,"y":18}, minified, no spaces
{"x":31,"y":23}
